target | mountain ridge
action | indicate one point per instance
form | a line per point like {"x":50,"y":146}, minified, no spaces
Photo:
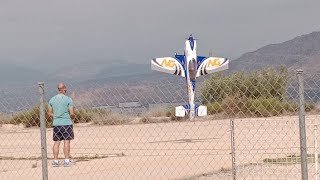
{"x":301,"y":52}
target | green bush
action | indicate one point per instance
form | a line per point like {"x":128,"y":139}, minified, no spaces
{"x":294,"y":106}
{"x":265,"y":107}
{"x":234,"y":105}
{"x":259,"y":93}
{"x":268,"y":83}
{"x":213,"y":108}
{"x":30,"y":118}
{"x":309,"y":106}
{"x":82,"y":116}
{"x":290,"y":106}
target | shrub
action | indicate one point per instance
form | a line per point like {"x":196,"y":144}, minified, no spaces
{"x":154,"y":115}
{"x":234,"y":105}
{"x":30,"y":118}
{"x":84,"y":115}
{"x":159,"y":112}
{"x":110,"y":118}
{"x":4,"y":119}
{"x":290,"y":106}
{"x":259,"y":93}
{"x":170,"y":112}
{"x":265,"y":107}
{"x":268,"y":83}
{"x":213,"y":108}
{"x":309,"y":106}
{"x":100,"y":117}
{"x":294,"y":106}
{"x":317,"y":107}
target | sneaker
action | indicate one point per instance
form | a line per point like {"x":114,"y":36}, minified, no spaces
{"x":55,"y":164}
{"x":68,"y":164}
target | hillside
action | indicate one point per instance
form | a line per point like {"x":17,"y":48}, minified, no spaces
{"x":11,"y":74}
{"x":301,"y":52}
{"x":102,"y":70}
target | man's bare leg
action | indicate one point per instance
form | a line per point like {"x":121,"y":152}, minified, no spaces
{"x":66,"y":149}
{"x":55,"y":148}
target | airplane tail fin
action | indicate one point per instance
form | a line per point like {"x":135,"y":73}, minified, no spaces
{"x":182,"y":111}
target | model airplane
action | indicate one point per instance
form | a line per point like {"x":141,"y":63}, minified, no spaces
{"x":190,"y":66}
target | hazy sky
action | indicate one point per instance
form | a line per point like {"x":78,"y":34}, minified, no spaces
{"x":58,"y":32}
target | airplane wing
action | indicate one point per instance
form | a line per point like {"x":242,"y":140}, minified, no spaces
{"x":168,"y":65}
{"x":208,"y":65}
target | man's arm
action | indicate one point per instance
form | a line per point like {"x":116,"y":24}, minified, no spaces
{"x":71,"y":111}
{"x":50,"y":112}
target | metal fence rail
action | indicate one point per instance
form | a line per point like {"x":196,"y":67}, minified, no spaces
{"x":129,"y":131}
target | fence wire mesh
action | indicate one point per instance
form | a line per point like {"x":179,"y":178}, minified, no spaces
{"x":20,"y":151}
{"x":129,"y":130}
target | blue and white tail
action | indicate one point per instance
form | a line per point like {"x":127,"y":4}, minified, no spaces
{"x":182,"y":111}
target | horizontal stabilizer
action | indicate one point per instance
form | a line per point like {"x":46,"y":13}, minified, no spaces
{"x":201,"y":111}
{"x":182,"y":111}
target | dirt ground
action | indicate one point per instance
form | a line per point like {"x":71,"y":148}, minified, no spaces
{"x":181,"y":150}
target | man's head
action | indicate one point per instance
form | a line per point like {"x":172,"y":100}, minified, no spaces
{"x":62,"y":88}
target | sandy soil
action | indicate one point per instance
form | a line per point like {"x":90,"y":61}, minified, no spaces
{"x":181,"y":150}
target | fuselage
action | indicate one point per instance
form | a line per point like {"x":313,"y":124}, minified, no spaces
{"x":190,"y":71}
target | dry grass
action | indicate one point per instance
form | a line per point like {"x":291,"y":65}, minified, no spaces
{"x":4,"y":119}
{"x":317,"y":107}
{"x":111,"y":118}
{"x":157,"y":112}
{"x":155,"y":116}
{"x":291,"y":159}
{"x":77,"y":158}
{"x":34,"y":165}
{"x":225,"y":169}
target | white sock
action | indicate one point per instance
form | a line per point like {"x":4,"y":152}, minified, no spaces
{"x":67,"y":160}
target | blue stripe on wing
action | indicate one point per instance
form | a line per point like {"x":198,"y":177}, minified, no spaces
{"x":181,"y":59}
{"x":200,"y":59}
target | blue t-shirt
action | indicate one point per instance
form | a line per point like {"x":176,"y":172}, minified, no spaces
{"x":60,"y":105}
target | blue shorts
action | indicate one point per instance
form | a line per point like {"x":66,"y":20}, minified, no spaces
{"x":63,"y":133}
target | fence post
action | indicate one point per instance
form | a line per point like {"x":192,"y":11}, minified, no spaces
{"x":43,"y":133}
{"x":316,"y":150}
{"x":233,"y":150}
{"x":302,"y":127}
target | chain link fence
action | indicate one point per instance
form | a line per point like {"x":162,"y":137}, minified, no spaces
{"x":129,"y":130}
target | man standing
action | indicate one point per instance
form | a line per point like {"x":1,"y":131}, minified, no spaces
{"x":61,"y":110}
